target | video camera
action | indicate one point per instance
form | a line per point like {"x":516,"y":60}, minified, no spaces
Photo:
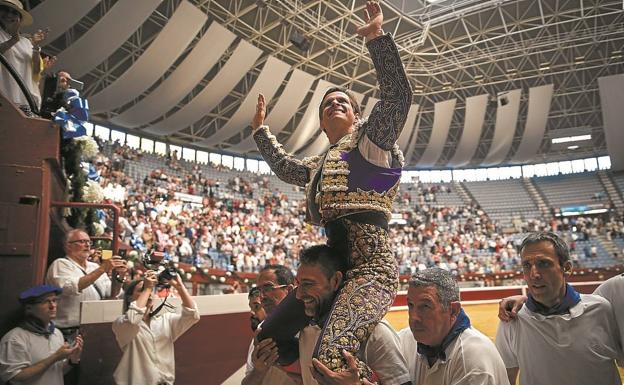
{"x":154,"y":260}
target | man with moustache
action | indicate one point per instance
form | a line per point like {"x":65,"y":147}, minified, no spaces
{"x":560,"y":336}
{"x":34,"y":352}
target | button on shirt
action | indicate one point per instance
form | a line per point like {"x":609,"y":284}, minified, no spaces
{"x":65,"y":273}
{"x":148,"y":353}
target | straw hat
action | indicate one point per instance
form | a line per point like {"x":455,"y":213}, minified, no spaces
{"x":27,"y":18}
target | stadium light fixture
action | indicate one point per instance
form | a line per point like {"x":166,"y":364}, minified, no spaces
{"x":567,"y":139}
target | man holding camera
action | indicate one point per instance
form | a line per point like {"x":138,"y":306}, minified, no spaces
{"x":82,"y":280}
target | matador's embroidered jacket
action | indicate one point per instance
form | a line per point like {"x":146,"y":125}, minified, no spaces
{"x":362,"y":171}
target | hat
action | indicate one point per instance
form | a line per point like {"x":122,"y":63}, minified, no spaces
{"x":27,"y":18}
{"x":31,"y":295}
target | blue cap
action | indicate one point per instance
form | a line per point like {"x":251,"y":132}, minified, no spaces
{"x":31,"y":295}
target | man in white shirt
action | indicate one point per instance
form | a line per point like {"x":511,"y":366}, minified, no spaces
{"x":560,"y":336}
{"x":274,"y":283}
{"x":612,"y":290}
{"x":320,"y":277}
{"x":34,"y":352}
{"x":81,"y":279}
{"x":440,"y":346}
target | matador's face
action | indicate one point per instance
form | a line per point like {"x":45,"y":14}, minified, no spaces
{"x":338,"y":117}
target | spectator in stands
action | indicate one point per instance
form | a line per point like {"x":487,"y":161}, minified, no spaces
{"x":320,"y":276}
{"x":360,"y":175}
{"x":268,"y":228}
{"x":146,"y":335}
{"x":560,"y":336}
{"x":82,"y":280}
{"x":439,"y":345}
{"x":257,"y":313}
{"x":274,"y":283}
{"x":21,"y":53}
{"x":34,"y":352}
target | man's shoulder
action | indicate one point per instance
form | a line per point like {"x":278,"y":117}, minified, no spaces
{"x":593,"y":301}
{"x":406,"y":341}
{"x":61,"y":261}
{"x":592,"y":306}
{"x":475,"y":350}
{"x":16,"y":334}
{"x":21,"y":336}
{"x":612,"y":288}
{"x":473,"y":341}
{"x":383,"y":328}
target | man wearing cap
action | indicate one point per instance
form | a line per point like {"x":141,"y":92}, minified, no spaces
{"x":81,"y":280}
{"x":22,"y":53}
{"x":34,"y":352}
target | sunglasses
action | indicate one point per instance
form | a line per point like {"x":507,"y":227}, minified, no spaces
{"x":81,"y":241}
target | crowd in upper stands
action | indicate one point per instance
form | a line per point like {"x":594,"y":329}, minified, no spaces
{"x":243,"y":222}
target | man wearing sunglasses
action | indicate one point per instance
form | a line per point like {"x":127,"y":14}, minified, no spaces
{"x":81,"y":280}
{"x":274,"y":283}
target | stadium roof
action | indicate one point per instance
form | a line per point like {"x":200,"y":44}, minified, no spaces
{"x":494,"y":80}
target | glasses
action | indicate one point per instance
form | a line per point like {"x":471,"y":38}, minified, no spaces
{"x":81,"y":241}
{"x":268,"y":288}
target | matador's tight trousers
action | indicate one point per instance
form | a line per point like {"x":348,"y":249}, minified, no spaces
{"x":368,"y":291}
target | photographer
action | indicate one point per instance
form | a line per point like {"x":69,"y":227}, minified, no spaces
{"x":82,"y":280}
{"x":146,"y":336}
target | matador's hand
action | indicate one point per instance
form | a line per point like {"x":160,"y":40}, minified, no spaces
{"x":374,"y":20}
{"x":258,"y":118}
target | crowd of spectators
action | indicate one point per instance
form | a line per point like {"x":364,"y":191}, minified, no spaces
{"x":243,"y":223}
